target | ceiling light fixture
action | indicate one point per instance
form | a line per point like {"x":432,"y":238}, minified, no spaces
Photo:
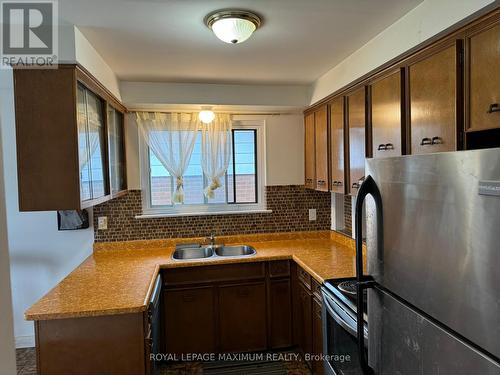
{"x":233,"y":26}
{"x":206,"y":116}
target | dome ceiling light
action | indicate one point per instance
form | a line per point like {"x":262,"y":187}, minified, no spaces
{"x":233,"y":26}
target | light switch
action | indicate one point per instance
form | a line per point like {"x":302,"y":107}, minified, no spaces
{"x":312,"y":214}
{"x":102,"y":223}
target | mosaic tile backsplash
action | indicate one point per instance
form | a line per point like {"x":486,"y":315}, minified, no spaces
{"x":289,"y":205}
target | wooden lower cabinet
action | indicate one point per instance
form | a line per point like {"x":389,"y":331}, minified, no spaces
{"x":242,"y":317}
{"x":317,"y":324}
{"x":304,"y":319}
{"x":111,"y":345}
{"x":229,"y":308}
{"x":280,"y":320}
{"x":190,"y":320}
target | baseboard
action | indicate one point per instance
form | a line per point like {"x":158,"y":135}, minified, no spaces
{"x":25,"y":342}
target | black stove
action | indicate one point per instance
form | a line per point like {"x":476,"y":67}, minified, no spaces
{"x":345,"y":290}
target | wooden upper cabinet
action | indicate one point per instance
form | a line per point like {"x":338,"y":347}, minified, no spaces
{"x":310,"y":151}
{"x":433,"y":102}
{"x":484,"y":81}
{"x":61,"y":137}
{"x":356,"y":113}
{"x":321,"y":148}
{"x":337,"y":159}
{"x":386,"y":111}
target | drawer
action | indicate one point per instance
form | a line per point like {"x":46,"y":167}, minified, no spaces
{"x":304,"y":278}
{"x":216,"y":273}
{"x":279,"y":268}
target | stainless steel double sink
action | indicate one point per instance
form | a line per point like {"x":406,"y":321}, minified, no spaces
{"x":190,"y":252}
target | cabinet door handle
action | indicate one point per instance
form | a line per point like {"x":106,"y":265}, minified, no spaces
{"x":382,"y":147}
{"x":426,"y":141}
{"x":309,"y":180}
{"x":321,"y":182}
{"x":355,"y":185}
{"x":437,"y":140}
{"x":389,"y":146}
{"x":494,"y":108}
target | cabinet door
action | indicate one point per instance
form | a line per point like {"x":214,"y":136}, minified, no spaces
{"x":357,"y":126}
{"x":189,"y":320}
{"x":96,"y":144}
{"x":116,"y":141}
{"x":242,"y":317}
{"x":304,"y":319}
{"x":83,"y":146}
{"x":321,"y":148}
{"x":484,"y":81}
{"x":386,"y":116}
{"x":432,"y":95}
{"x":337,"y":145}
{"x":317,"y":337}
{"x":310,"y":152}
{"x":280,"y":300}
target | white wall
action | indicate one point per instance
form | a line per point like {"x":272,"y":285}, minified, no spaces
{"x":426,"y":20}
{"x":7,"y":355}
{"x":284,"y":149}
{"x":144,"y":94}
{"x":86,"y":55}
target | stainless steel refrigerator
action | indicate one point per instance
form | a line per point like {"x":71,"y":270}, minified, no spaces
{"x":433,"y":276}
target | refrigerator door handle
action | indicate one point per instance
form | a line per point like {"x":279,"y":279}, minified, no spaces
{"x":369,"y":187}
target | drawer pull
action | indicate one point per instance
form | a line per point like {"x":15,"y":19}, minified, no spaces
{"x":494,"y":108}
{"x":355,"y":185}
{"x":389,"y":146}
{"x":437,"y":140}
{"x":425,"y":142}
{"x":382,"y":147}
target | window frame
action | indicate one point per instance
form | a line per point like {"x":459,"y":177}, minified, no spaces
{"x":149,"y":211}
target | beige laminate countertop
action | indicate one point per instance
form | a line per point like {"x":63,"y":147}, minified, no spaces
{"x":118,"y":277}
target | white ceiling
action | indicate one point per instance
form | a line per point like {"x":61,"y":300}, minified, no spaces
{"x":166,"y":40}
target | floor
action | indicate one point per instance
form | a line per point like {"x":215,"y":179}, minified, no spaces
{"x":26,"y":365}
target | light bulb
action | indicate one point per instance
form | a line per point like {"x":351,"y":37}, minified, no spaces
{"x":206,"y":116}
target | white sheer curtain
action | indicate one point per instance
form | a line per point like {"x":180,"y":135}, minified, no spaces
{"x":216,"y":149}
{"x":171,"y":136}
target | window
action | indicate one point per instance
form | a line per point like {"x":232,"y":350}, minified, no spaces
{"x":242,"y":187}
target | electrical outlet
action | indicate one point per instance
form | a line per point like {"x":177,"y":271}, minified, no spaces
{"x":102,"y":223}
{"x":312,"y":214}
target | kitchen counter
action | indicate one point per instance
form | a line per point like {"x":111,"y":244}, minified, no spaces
{"x":119,"y":276}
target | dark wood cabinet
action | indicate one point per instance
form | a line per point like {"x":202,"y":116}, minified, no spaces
{"x":432,"y":81}
{"x":190,"y":320}
{"x":228,"y":308}
{"x":242,"y":317}
{"x":310,"y":152}
{"x":317,"y":324}
{"x":280,"y":299}
{"x":304,"y":319}
{"x":356,"y":112}
{"x":337,"y":139}
{"x":61,"y":137}
{"x":387,"y":115}
{"x":321,"y":148}
{"x":483,"y":85}
{"x":112,"y":345}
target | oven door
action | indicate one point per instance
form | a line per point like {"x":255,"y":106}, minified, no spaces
{"x":339,"y":337}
